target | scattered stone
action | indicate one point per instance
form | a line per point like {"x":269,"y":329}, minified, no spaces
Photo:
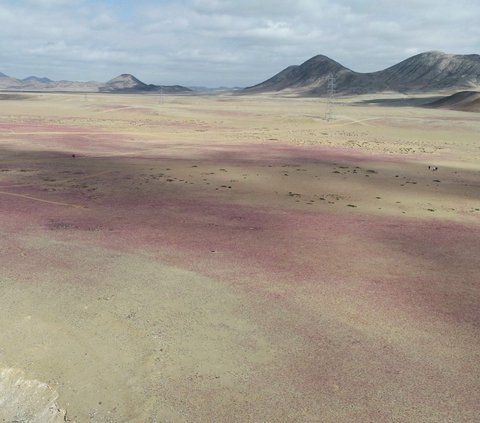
{"x":24,"y":400}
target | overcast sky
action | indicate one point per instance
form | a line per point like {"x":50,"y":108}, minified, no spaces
{"x":223,"y":42}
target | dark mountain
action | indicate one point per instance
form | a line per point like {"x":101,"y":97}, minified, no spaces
{"x":467,"y":101}
{"x":312,"y":76}
{"x":433,"y":70}
{"x":424,"y":72}
{"x":2,"y":75}
{"x":127,"y":83}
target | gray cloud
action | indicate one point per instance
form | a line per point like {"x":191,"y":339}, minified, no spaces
{"x":223,"y":42}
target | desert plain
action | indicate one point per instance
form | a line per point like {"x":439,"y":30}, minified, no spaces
{"x":239,"y":259}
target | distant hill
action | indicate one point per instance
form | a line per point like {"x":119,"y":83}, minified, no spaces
{"x":424,"y":72}
{"x":467,"y":101}
{"x":36,"y":79}
{"x":127,"y":83}
{"x":124,"y":83}
{"x":46,"y":85}
{"x":7,"y":81}
{"x":210,"y":90}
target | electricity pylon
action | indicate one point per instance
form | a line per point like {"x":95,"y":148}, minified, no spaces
{"x":329,"y":111}
{"x":160,"y":101}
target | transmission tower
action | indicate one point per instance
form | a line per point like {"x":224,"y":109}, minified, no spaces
{"x":161,"y":99}
{"x":331,"y":85}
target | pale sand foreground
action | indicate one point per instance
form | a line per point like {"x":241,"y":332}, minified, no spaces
{"x":240,"y":259}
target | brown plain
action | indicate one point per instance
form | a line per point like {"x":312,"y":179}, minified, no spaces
{"x":223,"y":258}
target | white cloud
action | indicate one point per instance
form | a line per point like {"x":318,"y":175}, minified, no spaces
{"x":223,"y":42}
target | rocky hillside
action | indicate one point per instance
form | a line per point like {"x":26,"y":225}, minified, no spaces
{"x":312,"y":76}
{"x":433,"y":71}
{"x":127,"y":83}
{"x":424,"y":72}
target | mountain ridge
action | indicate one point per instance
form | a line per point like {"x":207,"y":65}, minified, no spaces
{"x":124,"y":83}
{"x":426,"y":71}
{"x":127,"y":83}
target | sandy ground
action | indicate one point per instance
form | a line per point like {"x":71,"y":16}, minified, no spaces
{"x":227,"y":259}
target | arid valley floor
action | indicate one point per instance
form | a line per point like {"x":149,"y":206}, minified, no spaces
{"x":240,"y":259}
